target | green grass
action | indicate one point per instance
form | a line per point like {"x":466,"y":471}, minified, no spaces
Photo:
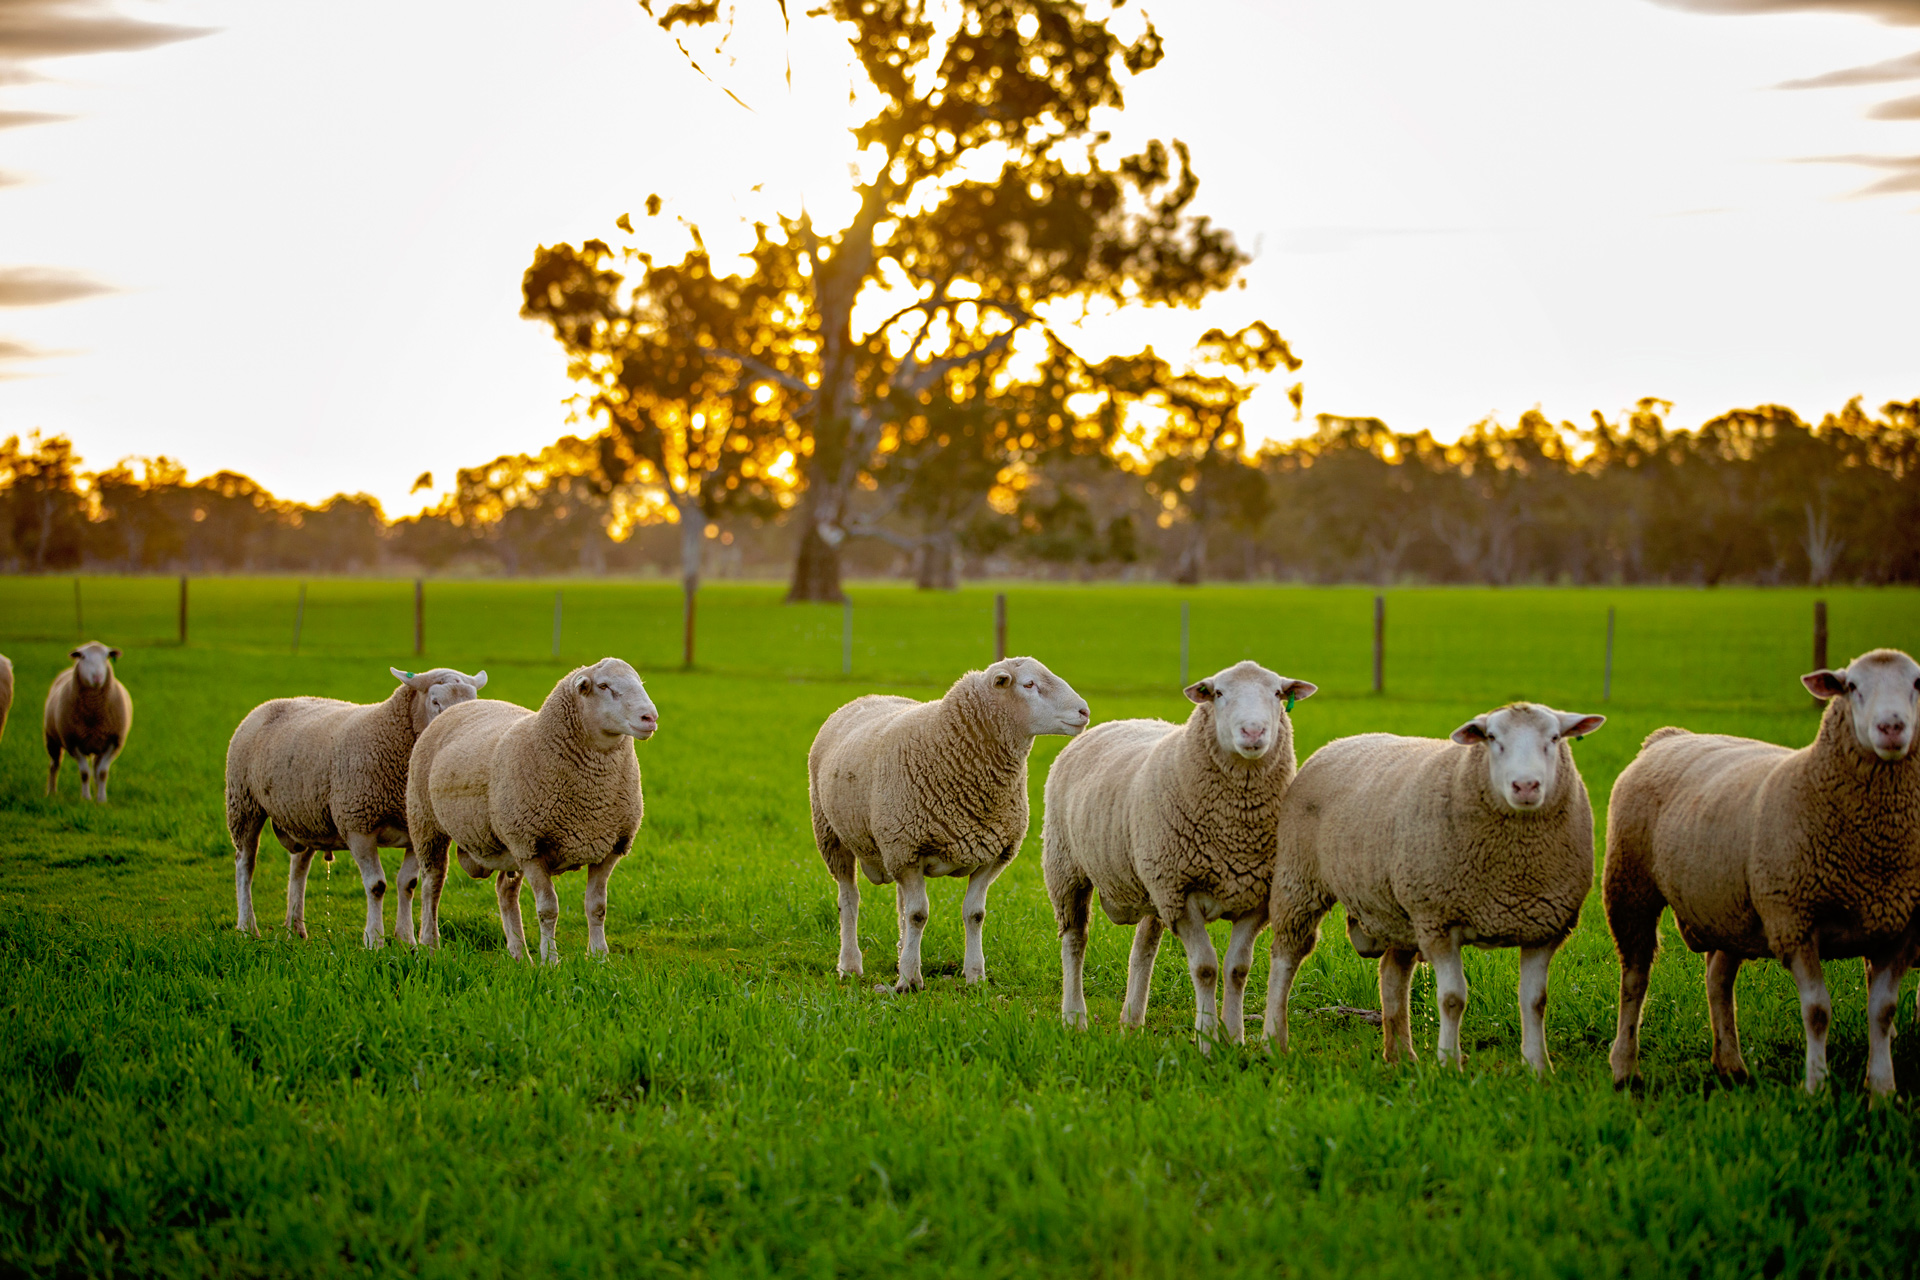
{"x":180,"y":1100}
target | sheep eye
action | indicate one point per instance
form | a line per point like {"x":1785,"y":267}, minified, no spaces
{"x":1029,"y":684}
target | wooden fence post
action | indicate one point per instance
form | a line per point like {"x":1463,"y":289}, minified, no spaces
{"x":1379,"y":643}
{"x":1183,"y":644}
{"x":999,"y":625}
{"x":1606,"y":682}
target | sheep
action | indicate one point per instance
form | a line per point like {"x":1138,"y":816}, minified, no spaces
{"x":6,"y":692}
{"x":88,"y":715}
{"x":1175,"y":826}
{"x":1762,"y":850}
{"x":532,"y":795}
{"x":908,"y":789}
{"x":332,"y":775}
{"x":1485,"y":838}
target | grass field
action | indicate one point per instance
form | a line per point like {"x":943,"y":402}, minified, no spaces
{"x":176,"y":1099}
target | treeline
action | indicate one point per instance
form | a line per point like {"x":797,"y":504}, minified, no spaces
{"x":1753,"y":496}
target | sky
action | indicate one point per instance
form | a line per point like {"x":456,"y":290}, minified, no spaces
{"x":286,"y":239}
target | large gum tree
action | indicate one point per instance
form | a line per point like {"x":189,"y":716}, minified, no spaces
{"x":996,"y":202}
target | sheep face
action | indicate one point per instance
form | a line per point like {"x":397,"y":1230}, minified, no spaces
{"x":1049,"y":703}
{"x":1882,"y":690}
{"x":1249,"y":706}
{"x":614,"y":704}
{"x":442,"y":688}
{"x":93,"y":665}
{"x":1522,"y":743}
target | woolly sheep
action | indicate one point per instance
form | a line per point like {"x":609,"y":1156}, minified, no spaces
{"x":1174,"y":825}
{"x":908,"y":790}
{"x":332,"y":775}
{"x":532,"y":795}
{"x":88,"y":715}
{"x":1430,"y":844}
{"x":1761,"y":850}
{"x":6,"y":692}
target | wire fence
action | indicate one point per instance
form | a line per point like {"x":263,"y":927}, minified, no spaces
{"x":1674,"y":646}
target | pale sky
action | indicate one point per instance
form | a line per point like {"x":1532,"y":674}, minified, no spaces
{"x":292,"y":246}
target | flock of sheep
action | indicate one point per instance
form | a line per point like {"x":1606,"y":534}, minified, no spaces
{"x":1482,"y":839}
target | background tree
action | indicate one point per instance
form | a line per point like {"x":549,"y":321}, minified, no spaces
{"x":703,"y":432}
{"x":992,"y":189}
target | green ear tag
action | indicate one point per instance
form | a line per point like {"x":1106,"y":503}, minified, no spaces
{"x":409,"y":675}
{"x":1289,"y":702}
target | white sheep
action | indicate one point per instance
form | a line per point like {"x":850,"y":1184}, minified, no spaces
{"x":1174,"y":825}
{"x":907,"y":790}
{"x":1762,"y":850}
{"x":332,"y":775}
{"x":88,"y":715}
{"x":531,"y":795}
{"x":1431,"y":845}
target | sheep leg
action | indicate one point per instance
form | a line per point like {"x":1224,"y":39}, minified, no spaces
{"x":1722,"y":968}
{"x":546,"y":906}
{"x":297,"y":864}
{"x":1203,"y":966}
{"x":596,"y":903}
{"x":245,"y":828}
{"x":1070,"y":910}
{"x":1450,"y":991}
{"x":102,"y":763}
{"x":432,"y":853}
{"x":1396,"y":1002}
{"x":53,"y":769}
{"x":1816,"y":1008}
{"x":974,"y":912}
{"x":840,"y":864}
{"x":406,"y":880}
{"x":913,"y":922}
{"x":1534,"y":963}
{"x":86,"y":776}
{"x":1294,"y":937}
{"x":1883,"y":996}
{"x":506,"y":892}
{"x":1146,"y":946}
{"x":1239,"y":965}
{"x":373,"y":878}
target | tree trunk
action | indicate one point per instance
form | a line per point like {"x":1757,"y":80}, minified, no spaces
{"x":816,"y":570}
{"x":1192,"y":565}
{"x":935,"y":563}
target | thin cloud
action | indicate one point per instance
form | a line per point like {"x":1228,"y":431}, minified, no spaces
{"x":14,"y":119}
{"x":32,"y":29}
{"x":1903,"y":171}
{"x":44,"y":286}
{"x":1899,"y":13}
{"x":1888,"y":72}
{"x":1898,"y":109}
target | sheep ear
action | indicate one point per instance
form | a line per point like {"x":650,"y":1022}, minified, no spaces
{"x":1825,"y":684}
{"x":402,"y":676}
{"x":1002,"y":679}
{"x":74,"y":655}
{"x":585,"y":686}
{"x":1298,"y":690}
{"x":1199,"y":692}
{"x":1575,"y":725}
{"x":114,"y":654}
{"x":1474,"y":730}
{"x":479,"y":681}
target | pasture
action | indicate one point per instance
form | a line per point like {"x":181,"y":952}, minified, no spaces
{"x":176,"y":1099}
